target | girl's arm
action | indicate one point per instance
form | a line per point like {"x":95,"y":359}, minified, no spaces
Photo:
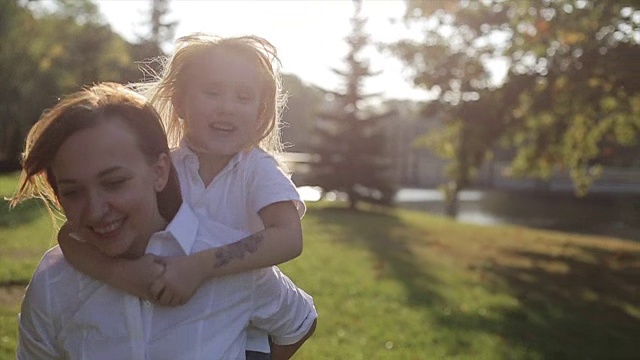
{"x":280,"y":241}
{"x":132,"y":276}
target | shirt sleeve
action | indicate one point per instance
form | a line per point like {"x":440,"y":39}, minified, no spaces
{"x":269,"y":184}
{"x":282,"y":309}
{"x":36,"y":335}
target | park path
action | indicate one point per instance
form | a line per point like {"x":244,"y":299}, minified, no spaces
{"x":11,"y":295}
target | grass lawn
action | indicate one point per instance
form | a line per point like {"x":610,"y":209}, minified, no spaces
{"x":406,"y":285}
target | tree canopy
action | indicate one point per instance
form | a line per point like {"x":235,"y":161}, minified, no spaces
{"x":49,"y":50}
{"x":571,"y":92}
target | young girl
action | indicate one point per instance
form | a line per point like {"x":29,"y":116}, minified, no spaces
{"x":220,"y":99}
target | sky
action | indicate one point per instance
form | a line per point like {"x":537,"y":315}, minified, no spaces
{"x":309,"y":34}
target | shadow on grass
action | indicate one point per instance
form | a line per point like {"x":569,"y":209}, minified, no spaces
{"x":383,"y":237}
{"x":8,"y":283}
{"x":569,"y":306}
{"x":383,"y":234}
{"x":21,"y":214}
{"x":589,"y":310}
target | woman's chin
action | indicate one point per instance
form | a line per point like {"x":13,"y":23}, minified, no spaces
{"x":115,"y":248}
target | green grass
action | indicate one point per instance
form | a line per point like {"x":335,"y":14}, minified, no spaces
{"x":25,"y":233}
{"x":406,"y":285}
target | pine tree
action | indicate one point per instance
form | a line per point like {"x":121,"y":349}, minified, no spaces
{"x":160,"y":31}
{"x":350,"y":145}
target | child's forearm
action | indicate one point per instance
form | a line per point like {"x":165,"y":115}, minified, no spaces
{"x":280,"y":241}
{"x":131,"y":276}
{"x":255,"y":251}
{"x":87,"y":259}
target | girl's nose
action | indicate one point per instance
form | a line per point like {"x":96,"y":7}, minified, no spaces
{"x":225,"y":105}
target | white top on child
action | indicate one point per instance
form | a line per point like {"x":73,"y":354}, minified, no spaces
{"x":250,"y":181}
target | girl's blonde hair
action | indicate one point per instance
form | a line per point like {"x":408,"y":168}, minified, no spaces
{"x":166,"y":86}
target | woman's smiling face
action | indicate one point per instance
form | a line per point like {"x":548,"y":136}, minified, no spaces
{"x":108,"y":189}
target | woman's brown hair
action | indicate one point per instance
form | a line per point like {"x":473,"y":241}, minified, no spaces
{"x":82,"y":110}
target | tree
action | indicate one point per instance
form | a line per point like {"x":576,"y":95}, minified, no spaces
{"x":17,"y":68}
{"x":570,"y":88}
{"x":350,"y":144}
{"x":161,"y":31}
{"x":299,"y":116}
{"x":46,"y":52}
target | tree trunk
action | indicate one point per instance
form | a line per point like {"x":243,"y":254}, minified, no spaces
{"x":451,"y":191}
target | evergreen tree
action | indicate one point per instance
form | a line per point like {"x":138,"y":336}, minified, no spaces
{"x":350,"y":145}
{"x":160,"y":31}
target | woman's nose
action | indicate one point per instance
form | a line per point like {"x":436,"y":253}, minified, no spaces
{"x":97,"y":206}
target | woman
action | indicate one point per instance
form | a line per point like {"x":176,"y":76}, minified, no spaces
{"x":101,"y":157}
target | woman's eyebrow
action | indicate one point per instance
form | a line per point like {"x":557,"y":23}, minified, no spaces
{"x":110,"y":170}
{"x":102,"y":173}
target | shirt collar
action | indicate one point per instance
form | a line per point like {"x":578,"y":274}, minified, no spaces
{"x":183,"y":152}
{"x":184,"y":227}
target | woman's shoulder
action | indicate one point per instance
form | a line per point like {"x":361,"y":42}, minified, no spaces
{"x":51,"y":269}
{"x":54,"y":269}
{"x":52,"y":261}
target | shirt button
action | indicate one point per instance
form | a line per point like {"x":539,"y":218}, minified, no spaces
{"x":147,"y":303}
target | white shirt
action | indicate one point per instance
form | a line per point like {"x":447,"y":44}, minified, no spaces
{"x":68,"y":315}
{"x":249,"y":182}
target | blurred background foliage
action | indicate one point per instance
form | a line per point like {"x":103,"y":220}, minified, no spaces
{"x":50,"y":49}
{"x":569,"y":100}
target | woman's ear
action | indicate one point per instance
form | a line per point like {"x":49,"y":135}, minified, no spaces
{"x":161,"y":168}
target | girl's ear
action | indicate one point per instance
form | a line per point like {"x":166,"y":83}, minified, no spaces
{"x":161,"y":169}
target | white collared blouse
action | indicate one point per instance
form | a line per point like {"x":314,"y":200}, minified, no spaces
{"x":68,"y":315}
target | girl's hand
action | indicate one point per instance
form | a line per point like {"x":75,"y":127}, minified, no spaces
{"x":179,"y":281}
{"x":140,"y":275}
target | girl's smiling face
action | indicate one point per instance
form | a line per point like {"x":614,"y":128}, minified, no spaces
{"x":108,"y":189}
{"x":221,"y":103}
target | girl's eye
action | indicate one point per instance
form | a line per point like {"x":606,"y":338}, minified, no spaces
{"x":211,"y":91}
{"x":245,"y":98}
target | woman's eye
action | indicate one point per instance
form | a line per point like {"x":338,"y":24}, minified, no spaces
{"x":68,"y":193}
{"x":114,"y":184}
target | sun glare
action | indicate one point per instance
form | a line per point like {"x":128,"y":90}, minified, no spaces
{"x":309,"y":35}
